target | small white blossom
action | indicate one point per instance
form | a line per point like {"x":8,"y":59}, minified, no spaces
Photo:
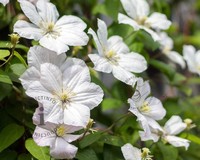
{"x":168,"y":133}
{"x":51,"y":32}
{"x":58,"y":137}
{"x":139,"y":18}
{"x":167,"y":46}
{"x":114,"y":56}
{"x":65,"y":91}
{"x":133,"y":153}
{"x":146,"y":109}
{"x":192,"y":58}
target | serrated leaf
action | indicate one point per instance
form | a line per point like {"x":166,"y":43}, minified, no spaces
{"x":4,"y":54}
{"x":111,"y":103}
{"x":9,"y":135}
{"x":41,"y":153}
{"x":89,"y":139}
{"x":86,"y":154}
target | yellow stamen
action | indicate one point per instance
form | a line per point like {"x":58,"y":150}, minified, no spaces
{"x":145,"y":107}
{"x":60,"y":131}
{"x":145,"y":154}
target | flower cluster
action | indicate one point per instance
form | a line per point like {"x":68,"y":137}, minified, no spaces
{"x":62,"y":85}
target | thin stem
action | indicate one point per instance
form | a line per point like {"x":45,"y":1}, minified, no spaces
{"x":11,"y":55}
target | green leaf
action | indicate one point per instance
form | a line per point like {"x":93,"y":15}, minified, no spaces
{"x":86,"y":154}
{"x":41,"y":153}
{"x":191,"y":137}
{"x":9,"y":135}
{"x":169,"y":152}
{"x":7,"y":44}
{"x":164,"y":68}
{"x":111,"y":103}
{"x":89,"y":139}
{"x":4,"y":53}
{"x":20,"y":58}
{"x":4,"y":77}
{"x":18,"y":69}
{"x":112,"y":140}
{"x":24,"y":157}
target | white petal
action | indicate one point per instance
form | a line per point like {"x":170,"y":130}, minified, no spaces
{"x":132,"y":62}
{"x":126,"y":20}
{"x":158,"y":21}
{"x":97,"y":42}
{"x":43,"y":137}
{"x":153,"y":136}
{"x":100,"y":63}
{"x":166,"y":41}
{"x":116,"y":44}
{"x":177,"y":58}
{"x":88,"y":94}
{"x":135,"y":8}
{"x":74,"y":76}
{"x":177,"y":141}
{"x":102,"y":33}
{"x":47,"y":11}
{"x":38,"y":92}
{"x":38,"y":55}
{"x":31,"y":12}
{"x":70,"y":137}
{"x":142,"y":91}
{"x":51,"y":78}
{"x":72,"y":31}
{"x":157,"y":112}
{"x":29,"y":76}
{"x":27,"y":30}
{"x":153,"y":34}
{"x":130,"y":152}
{"x":189,"y":56}
{"x":62,"y":149}
{"x":76,"y":115}
{"x":4,"y":2}
{"x":124,"y":75}
{"x":54,"y":44}
{"x":174,"y":125}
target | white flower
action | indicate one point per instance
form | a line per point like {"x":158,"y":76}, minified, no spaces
{"x":4,"y":2}
{"x":58,"y":137}
{"x":52,"y":33}
{"x":172,"y":127}
{"x":167,"y":46}
{"x":114,"y":56}
{"x":192,"y":58}
{"x":133,"y":153}
{"x":146,"y":109}
{"x":70,"y":86}
{"x":138,"y":12}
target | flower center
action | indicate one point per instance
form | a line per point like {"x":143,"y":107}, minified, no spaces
{"x":145,"y":107}
{"x":60,"y":131}
{"x":112,"y":57}
{"x":145,"y":154}
{"x":50,"y":27}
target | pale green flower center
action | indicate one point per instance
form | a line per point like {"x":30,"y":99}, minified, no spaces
{"x":50,"y":29}
{"x":145,"y":154}
{"x":66,"y":96}
{"x":60,"y":131}
{"x":145,"y":107}
{"x":112,"y":57}
{"x":142,"y":21}
{"x":166,"y":50}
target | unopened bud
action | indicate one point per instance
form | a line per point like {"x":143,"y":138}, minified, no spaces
{"x":189,"y":123}
{"x":14,"y":39}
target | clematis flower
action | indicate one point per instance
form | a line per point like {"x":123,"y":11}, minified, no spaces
{"x":51,"y":32}
{"x":58,"y":137}
{"x":133,"y":153}
{"x":139,"y":18}
{"x":167,"y":46}
{"x":70,"y":86}
{"x":192,"y":58}
{"x":146,"y":109}
{"x":114,"y":56}
{"x":172,"y":127}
